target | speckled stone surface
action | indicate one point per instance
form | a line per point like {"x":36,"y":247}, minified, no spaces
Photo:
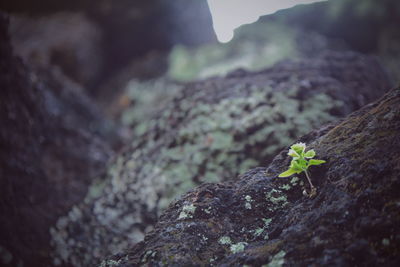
{"x":263,"y":220}
{"x":211,"y":131}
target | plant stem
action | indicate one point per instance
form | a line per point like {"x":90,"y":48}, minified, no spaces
{"x":309,"y":179}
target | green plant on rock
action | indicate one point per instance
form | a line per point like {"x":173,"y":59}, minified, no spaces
{"x":301,"y":161}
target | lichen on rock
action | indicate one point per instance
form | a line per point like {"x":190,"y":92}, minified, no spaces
{"x":354,"y":219}
{"x":212,"y":131}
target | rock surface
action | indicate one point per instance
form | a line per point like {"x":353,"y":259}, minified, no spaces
{"x":261,"y":219}
{"x":366,"y":26}
{"x":93,"y":41}
{"x":211,"y":131}
{"x":254,"y":47}
{"x":69,"y":41}
{"x":51,"y":149}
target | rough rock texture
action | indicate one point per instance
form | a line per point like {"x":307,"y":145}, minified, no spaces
{"x":211,"y":131}
{"x":49,"y":153}
{"x":261,"y":219}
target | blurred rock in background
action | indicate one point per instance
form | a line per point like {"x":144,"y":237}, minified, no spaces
{"x":54,"y":141}
{"x":67,"y":40}
{"x":367,"y":26}
{"x":114,"y":34}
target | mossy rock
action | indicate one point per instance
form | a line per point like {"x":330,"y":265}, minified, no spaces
{"x":353,"y":219}
{"x":212,"y":131}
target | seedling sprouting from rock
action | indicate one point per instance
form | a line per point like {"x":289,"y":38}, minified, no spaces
{"x":301,"y":161}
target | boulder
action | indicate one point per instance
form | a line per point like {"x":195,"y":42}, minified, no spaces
{"x":212,"y":130}
{"x":51,"y":149}
{"x":263,"y":220}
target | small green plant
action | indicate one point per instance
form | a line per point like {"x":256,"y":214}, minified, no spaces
{"x":301,"y":161}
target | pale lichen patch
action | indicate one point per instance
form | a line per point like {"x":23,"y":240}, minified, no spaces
{"x":294,"y":181}
{"x":277,"y":198}
{"x":259,"y":231}
{"x":225,"y":240}
{"x":238,"y":247}
{"x":207,"y":210}
{"x":247,"y":204}
{"x":386,"y":242}
{"x":187,"y":212}
{"x":112,"y":263}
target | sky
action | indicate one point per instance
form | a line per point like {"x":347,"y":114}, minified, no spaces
{"x":227,"y":15}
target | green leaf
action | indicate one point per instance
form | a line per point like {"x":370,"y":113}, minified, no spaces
{"x":302,"y":164}
{"x":309,"y":154}
{"x":295,"y":166}
{"x":299,"y":148}
{"x":315,"y":162}
{"x":287,"y":173}
{"x":293,"y":154}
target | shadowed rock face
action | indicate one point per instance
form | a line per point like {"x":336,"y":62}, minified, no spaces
{"x":261,"y":219}
{"x":49,"y":153}
{"x":93,"y":41}
{"x":211,"y":131}
{"x":69,"y":41}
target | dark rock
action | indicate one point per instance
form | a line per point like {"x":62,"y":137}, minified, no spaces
{"x":133,"y":29}
{"x":212,"y":131}
{"x":50,"y":152}
{"x":109,"y":37}
{"x":70,"y":41}
{"x":261,"y":219}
